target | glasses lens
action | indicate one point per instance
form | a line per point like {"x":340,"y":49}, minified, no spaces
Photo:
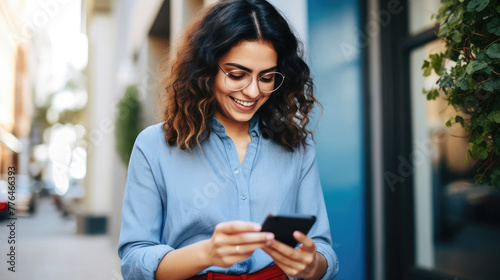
{"x":270,"y":82}
{"x":238,"y":79}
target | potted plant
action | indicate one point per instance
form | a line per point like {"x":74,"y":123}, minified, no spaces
{"x":471,"y":31}
{"x":127,"y":123}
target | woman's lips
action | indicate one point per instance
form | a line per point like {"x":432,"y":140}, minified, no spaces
{"x":242,"y":107}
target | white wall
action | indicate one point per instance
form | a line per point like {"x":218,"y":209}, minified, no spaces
{"x":100,"y":126}
{"x":295,"y":12}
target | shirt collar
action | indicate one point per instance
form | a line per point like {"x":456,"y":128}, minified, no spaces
{"x":219,"y":128}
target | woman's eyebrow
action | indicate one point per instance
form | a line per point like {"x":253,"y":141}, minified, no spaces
{"x":250,"y":70}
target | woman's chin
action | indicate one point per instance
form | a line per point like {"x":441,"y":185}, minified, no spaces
{"x":241,"y":117}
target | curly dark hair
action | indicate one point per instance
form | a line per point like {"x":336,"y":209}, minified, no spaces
{"x":189,"y":100}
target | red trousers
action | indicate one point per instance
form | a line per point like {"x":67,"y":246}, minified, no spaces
{"x":270,"y":273}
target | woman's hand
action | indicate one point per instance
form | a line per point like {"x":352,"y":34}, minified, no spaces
{"x":235,"y":241}
{"x":303,"y":262}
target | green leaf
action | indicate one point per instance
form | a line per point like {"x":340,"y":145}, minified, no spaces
{"x":473,"y":123}
{"x":448,"y":22}
{"x":444,"y":28}
{"x":496,"y":141}
{"x":494,"y":116}
{"x":496,"y":85}
{"x":482,"y":153}
{"x":460,"y":120}
{"x":474,"y":66}
{"x":472,"y":83}
{"x":489,"y":85}
{"x":466,"y":157}
{"x":472,"y":147}
{"x":462,"y":83}
{"x":432,"y":94}
{"x":434,"y":56}
{"x":437,"y":64}
{"x":448,"y":123}
{"x":446,"y":82}
{"x":493,"y":51}
{"x":477,"y":5}
{"x":483,"y":121}
{"x":427,"y":71}
{"x":456,"y":36}
{"x":493,"y":84}
{"x":494,"y":26}
{"x":495,"y":178}
{"x":478,"y":140}
{"x":487,"y":70}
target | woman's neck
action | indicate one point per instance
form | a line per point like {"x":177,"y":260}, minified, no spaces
{"x":234,"y":129}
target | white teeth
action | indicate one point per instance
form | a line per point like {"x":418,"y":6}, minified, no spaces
{"x":246,"y":104}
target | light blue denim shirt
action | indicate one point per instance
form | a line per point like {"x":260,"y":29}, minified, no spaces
{"x":174,"y":198}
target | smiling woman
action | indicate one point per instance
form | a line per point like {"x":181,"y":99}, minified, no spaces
{"x":237,"y":103}
{"x":238,"y":94}
{"x":195,"y":73}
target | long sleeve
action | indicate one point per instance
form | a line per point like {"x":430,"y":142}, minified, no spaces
{"x":311,"y":201}
{"x":140,"y":247}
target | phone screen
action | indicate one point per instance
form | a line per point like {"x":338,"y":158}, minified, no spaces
{"x":283,"y":226}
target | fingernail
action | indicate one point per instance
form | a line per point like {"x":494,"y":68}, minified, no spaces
{"x":296,"y":233}
{"x":270,"y":236}
{"x":257,"y":227}
{"x":269,"y":242}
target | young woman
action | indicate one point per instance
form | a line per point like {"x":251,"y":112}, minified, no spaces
{"x":233,"y":147}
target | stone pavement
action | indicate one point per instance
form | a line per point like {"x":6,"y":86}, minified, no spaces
{"x":47,"y":248}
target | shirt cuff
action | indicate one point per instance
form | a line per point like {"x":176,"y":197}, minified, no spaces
{"x":331,"y":259}
{"x":142,"y":263}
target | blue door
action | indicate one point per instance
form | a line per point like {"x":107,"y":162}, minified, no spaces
{"x":335,"y":57}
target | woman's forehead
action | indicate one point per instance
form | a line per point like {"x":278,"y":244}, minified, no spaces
{"x":255,"y":55}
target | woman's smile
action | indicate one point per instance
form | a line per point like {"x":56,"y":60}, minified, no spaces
{"x":243,"y":105}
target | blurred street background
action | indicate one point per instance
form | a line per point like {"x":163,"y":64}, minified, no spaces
{"x":49,"y":248}
{"x":80,"y":78}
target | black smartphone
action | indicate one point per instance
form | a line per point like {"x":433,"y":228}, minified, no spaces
{"x":283,"y":226}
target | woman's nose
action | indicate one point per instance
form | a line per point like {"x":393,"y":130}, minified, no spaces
{"x":252,"y":90}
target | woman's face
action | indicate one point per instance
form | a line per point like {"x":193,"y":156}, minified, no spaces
{"x":257,"y":58}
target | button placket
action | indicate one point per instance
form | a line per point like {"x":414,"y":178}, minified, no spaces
{"x":240,"y":182}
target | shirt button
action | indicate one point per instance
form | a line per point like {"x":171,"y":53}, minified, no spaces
{"x":254,"y":134}
{"x":236,"y":172}
{"x":243,"y":196}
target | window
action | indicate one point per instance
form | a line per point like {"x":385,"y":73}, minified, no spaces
{"x":439,"y":224}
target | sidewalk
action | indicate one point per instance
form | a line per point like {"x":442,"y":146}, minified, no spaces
{"x":48,"y":248}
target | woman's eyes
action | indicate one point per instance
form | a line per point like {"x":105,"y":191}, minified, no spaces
{"x":236,"y":76}
{"x":267,"y":78}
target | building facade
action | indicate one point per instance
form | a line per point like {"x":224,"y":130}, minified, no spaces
{"x":391,"y":183}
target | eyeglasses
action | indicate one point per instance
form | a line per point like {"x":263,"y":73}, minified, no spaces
{"x":237,"y":80}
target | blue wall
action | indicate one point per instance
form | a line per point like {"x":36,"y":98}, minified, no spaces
{"x":336,"y":65}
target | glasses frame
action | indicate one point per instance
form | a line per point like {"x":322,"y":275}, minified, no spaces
{"x":251,"y":79}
